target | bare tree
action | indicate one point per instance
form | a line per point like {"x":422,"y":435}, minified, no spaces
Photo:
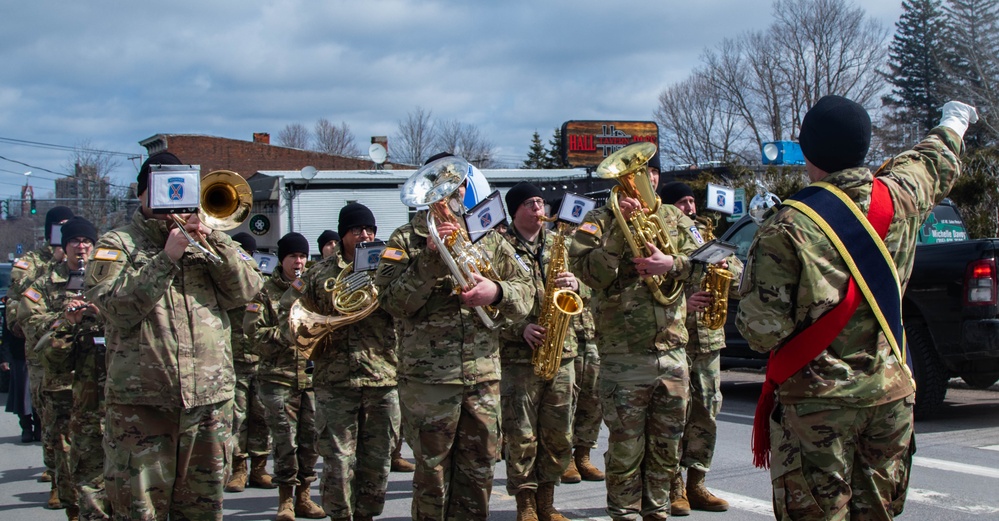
{"x":695,"y":126}
{"x":335,"y":140}
{"x":96,"y":198}
{"x":415,"y":137}
{"x":294,"y":135}
{"x":465,"y":140}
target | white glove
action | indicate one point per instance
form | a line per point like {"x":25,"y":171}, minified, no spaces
{"x":958,"y":116}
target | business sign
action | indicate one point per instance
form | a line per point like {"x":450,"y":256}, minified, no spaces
{"x":586,"y":143}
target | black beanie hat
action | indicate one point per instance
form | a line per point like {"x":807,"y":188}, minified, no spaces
{"x":437,"y":156}
{"x":78,"y":227}
{"x":835,"y":134}
{"x":654,"y":162}
{"x":673,"y":192}
{"x":520,"y":192}
{"x":55,"y":215}
{"x":327,"y":236}
{"x":247,"y":241}
{"x":161,"y":158}
{"x":354,"y":215}
{"x":293,"y":242}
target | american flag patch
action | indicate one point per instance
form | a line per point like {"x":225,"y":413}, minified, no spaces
{"x":253,"y":307}
{"x":105,"y":254}
{"x":33,"y":294}
{"x":392,"y":254}
{"x":589,"y":228}
{"x":298,"y":285}
{"x":22,"y":264}
{"x":244,"y":256}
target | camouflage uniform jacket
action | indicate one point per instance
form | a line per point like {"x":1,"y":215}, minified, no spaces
{"x":24,"y":271}
{"x":242,"y":349}
{"x":794,"y":275}
{"x":80,"y":350}
{"x":168,"y":334}
{"x":266,"y":325}
{"x":628,"y":317}
{"x":513,"y":347}
{"x":41,"y":314}
{"x":362,"y":354}
{"x":440,"y":340}
{"x":701,"y":339}
{"x":583,"y":324}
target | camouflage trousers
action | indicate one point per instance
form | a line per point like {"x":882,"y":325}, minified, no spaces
{"x":87,"y":462}
{"x":586,"y":400}
{"x":644,"y":402}
{"x":833,"y":462}
{"x":58,"y":407}
{"x":701,"y":431}
{"x":454,"y":432}
{"x":35,"y":374}
{"x":249,"y":424}
{"x":167,"y":462}
{"x":291,"y":418}
{"x":537,"y":425}
{"x":358,"y":429}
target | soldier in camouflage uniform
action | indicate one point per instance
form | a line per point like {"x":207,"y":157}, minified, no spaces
{"x":704,"y":360}
{"x":449,"y":366}
{"x":841,"y":431}
{"x":170,"y":379}
{"x":643,"y":366}
{"x":44,"y":314}
{"x":77,"y":347}
{"x":286,"y":384}
{"x":357,"y":412}
{"x":24,"y":271}
{"x":586,"y":416}
{"x":537,"y":413}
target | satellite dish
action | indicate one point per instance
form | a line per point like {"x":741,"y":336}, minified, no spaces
{"x":377,"y":153}
{"x":308,"y":173}
{"x":771,"y":152}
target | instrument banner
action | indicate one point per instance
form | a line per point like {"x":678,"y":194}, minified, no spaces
{"x":575,"y":207}
{"x":485,"y":216}
{"x":366,"y":255}
{"x":175,"y":188}
{"x":721,"y":198}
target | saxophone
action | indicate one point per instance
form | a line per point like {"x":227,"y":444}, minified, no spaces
{"x":558,"y":308}
{"x":717,"y":282}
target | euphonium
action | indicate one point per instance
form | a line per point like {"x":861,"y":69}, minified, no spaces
{"x":435,"y":185}
{"x":354,"y":297}
{"x":226,"y":199}
{"x":558,"y":308}
{"x":628,"y":167}
{"x":717,"y":282}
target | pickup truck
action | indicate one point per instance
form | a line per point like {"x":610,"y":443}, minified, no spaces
{"x":950,"y":308}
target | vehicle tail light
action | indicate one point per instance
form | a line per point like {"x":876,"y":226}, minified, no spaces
{"x":980,"y":283}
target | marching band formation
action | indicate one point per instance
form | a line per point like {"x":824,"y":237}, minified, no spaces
{"x":163,"y":368}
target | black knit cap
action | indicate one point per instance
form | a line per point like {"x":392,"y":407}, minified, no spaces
{"x":293,"y":242}
{"x":673,"y":192}
{"x":654,"y":162}
{"x":327,"y":236}
{"x":437,"y":156}
{"x":78,"y":227}
{"x":55,"y":215}
{"x":247,"y":241}
{"x":520,"y":192}
{"x":354,"y":215}
{"x":835,"y":134}
{"x":161,"y":158}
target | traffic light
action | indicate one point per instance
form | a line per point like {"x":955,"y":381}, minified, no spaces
{"x":33,"y":209}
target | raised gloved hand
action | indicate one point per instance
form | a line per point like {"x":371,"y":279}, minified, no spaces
{"x":957,"y":116}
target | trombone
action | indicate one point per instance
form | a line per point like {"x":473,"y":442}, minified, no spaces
{"x":226,"y":199}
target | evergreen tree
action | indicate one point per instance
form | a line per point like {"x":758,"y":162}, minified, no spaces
{"x":555,"y":156}
{"x":972,"y":62}
{"x":914,"y":67}
{"x":537,"y":156}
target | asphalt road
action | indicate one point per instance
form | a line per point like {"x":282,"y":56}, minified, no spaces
{"x":955,"y":475}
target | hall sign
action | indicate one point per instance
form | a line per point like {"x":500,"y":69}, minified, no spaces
{"x":586,"y":143}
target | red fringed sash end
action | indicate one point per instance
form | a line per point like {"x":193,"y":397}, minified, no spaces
{"x":761,"y":425}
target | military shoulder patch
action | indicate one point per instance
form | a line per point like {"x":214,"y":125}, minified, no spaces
{"x":244,"y":256}
{"x":33,"y":294}
{"x":393,"y":254}
{"x":22,"y":264}
{"x":253,"y":307}
{"x":105,"y":254}
{"x":298,"y":284}
{"x":697,"y":235}
{"x":590,"y":228}
{"x":521,"y":262}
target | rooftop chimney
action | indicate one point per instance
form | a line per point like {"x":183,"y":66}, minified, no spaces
{"x":262,"y":137}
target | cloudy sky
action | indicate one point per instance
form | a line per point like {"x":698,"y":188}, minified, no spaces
{"x":112,"y":73}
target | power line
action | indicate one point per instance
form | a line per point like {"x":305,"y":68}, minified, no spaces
{"x":52,"y":146}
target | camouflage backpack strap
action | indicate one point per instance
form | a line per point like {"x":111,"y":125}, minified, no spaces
{"x":859,"y":239}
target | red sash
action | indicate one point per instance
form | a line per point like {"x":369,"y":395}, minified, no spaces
{"x":808,"y":344}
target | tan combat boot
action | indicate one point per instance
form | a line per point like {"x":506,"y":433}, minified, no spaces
{"x":586,"y":469}
{"x":54,"y":502}
{"x":237,"y":483}
{"x":699,"y":496}
{"x":527,"y":510}
{"x":678,"y":505}
{"x":304,"y":506}
{"x":571,"y":475}
{"x":286,"y":504}
{"x":545,"y":499}
{"x":259,"y":478}
{"x":73,"y":513}
{"x":399,"y":464}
